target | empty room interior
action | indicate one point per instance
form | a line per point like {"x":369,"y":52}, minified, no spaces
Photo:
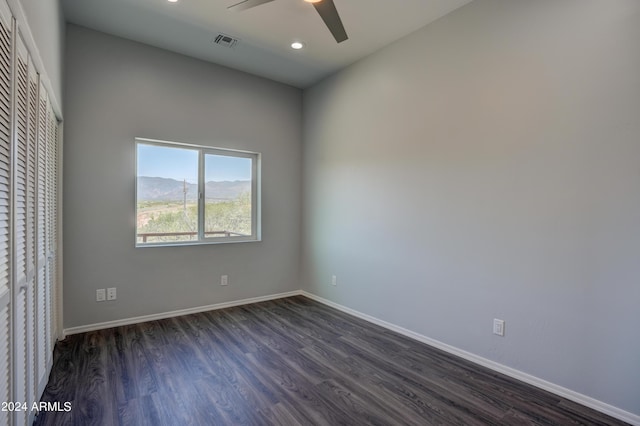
{"x":297,"y":212}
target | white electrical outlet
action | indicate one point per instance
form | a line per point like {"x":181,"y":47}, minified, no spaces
{"x":498,"y":327}
{"x":100,"y":295}
{"x":224,"y":280}
{"x":111,"y":293}
{"x":334,"y":280}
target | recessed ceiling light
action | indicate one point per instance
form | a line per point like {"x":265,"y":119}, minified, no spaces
{"x":297,"y":45}
{"x":312,"y":1}
{"x":172,"y":1}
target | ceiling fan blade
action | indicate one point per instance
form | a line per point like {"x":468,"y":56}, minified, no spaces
{"x":329,"y":15}
{"x":247,"y":4}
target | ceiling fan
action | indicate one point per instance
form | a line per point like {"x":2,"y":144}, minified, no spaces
{"x":325,"y":8}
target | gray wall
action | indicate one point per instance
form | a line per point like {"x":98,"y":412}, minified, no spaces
{"x":47,"y":27}
{"x":117,"y":90}
{"x":487,"y":166}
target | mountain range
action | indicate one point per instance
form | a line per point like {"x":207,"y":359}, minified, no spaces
{"x":166,"y":189}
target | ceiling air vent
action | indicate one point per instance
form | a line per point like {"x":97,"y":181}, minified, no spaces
{"x":225,"y":40}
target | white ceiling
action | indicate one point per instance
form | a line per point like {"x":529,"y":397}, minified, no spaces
{"x":265,"y":32}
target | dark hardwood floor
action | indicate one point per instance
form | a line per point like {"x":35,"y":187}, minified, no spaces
{"x":285,"y":362}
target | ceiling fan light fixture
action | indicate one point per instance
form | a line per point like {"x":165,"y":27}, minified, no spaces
{"x":325,"y":8}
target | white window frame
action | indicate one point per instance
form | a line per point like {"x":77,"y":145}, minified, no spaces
{"x":256,"y":204}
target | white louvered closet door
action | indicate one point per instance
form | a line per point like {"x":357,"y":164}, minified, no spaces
{"x":52,"y":223}
{"x":29,"y":150}
{"x":43,"y":323}
{"x":20,"y":302}
{"x":6,"y":30}
{"x":32,"y":146}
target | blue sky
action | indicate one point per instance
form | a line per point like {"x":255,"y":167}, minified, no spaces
{"x":179,"y":164}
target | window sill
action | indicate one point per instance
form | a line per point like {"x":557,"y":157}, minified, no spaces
{"x":198,"y":243}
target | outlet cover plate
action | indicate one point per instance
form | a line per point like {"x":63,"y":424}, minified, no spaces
{"x":111,"y":293}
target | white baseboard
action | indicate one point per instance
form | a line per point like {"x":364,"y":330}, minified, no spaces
{"x":171,"y":314}
{"x":508,"y":371}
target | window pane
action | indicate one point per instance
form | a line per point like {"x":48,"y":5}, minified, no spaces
{"x":167,"y":195}
{"x":227,"y":196}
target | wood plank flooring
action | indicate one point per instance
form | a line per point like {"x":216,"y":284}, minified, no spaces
{"x":287,"y":362}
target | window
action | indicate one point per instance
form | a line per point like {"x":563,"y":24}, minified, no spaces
{"x":188,"y":194}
